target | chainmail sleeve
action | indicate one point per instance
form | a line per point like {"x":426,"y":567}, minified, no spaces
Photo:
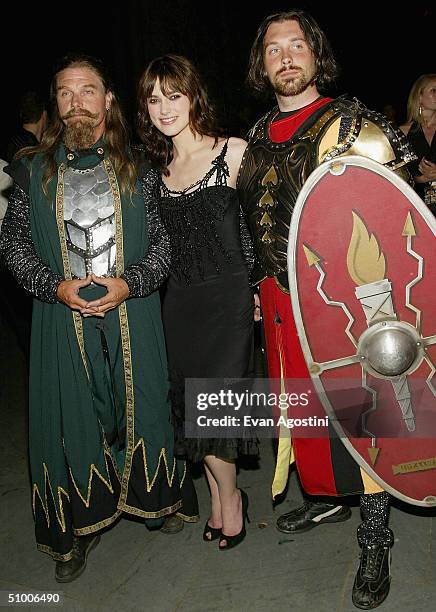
{"x":148,"y":274}
{"x":246,"y":243}
{"x":18,"y":251}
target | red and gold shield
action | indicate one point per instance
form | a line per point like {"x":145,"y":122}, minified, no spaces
{"x":362,"y":277}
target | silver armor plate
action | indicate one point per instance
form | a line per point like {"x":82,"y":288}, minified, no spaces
{"x":89,"y":222}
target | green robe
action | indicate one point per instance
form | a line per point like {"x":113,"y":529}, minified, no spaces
{"x":101,"y":441}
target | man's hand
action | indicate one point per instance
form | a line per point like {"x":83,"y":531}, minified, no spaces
{"x":68,"y":292}
{"x":117,"y":292}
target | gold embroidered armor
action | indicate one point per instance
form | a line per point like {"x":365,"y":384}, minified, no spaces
{"x":272,"y":174}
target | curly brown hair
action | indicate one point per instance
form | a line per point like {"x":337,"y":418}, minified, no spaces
{"x":326,"y":67}
{"x":116,"y":130}
{"x":175,"y":73}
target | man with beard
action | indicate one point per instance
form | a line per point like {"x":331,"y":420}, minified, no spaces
{"x":292,"y":56}
{"x":78,"y":237}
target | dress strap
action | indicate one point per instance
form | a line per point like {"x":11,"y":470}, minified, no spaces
{"x":218,"y":166}
{"x":222,"y":169}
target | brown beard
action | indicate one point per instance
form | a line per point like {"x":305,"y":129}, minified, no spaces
{"x":79,"y":135}
{"x":293,"y":86}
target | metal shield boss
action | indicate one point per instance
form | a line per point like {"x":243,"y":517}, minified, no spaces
{"x":362,"y":278}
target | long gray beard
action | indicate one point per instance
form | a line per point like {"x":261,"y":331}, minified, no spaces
{"x":79,"y":136}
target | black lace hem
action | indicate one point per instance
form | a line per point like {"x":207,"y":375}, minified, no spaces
{"x":196,"y":449}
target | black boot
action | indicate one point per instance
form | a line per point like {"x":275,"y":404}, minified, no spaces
{"x":311,"y":514}
{"x":67,"y":571}
{"x":173,"y":523}
{"x":373,"y":578}
{"x":372,"y":582}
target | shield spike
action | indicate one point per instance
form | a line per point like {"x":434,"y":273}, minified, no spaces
{"x":409,"y":227}
{"x":373,"y":454}
{"x":312,"y":258}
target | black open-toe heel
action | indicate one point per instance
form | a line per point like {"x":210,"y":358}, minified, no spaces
{"x":232,"y":541}
{"x":214,"y":532}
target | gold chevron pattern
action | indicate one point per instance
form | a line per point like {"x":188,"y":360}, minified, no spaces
{"x":44,"y":501}
{"x":162,"y":457}
{"x":93,"y":470}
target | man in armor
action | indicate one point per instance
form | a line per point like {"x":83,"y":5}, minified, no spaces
{"x":78,"y":237}
{"x":292,"y":56}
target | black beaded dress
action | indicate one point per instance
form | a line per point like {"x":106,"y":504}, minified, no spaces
{"x":208,"y":305}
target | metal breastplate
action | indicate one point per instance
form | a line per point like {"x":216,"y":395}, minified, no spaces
{"x":89,"y":222}
{"x":270,"y":179}
{"x":272,"y":174}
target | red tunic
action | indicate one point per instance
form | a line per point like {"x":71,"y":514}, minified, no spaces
{"x":323,"y":464}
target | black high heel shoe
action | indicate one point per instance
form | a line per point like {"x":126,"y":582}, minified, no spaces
{"x":214,"y":532}
{"x":232,"y":541}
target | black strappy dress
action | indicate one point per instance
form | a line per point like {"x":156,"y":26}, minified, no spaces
{"x":208,"y":304}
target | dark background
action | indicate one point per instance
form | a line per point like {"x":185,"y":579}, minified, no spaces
{"x":381,"y":47}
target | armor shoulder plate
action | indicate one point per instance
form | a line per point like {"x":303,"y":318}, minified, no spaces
{"x":356,"y":130}
{"x":258,"y":129}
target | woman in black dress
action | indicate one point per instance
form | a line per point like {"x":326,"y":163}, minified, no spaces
{"x":208,"y":305}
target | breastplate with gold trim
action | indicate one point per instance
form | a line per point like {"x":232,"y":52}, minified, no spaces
{"x":272,"y":174}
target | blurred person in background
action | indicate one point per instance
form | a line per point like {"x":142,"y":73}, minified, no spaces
{"x":33,"y":118}
{"x":419,"y":129}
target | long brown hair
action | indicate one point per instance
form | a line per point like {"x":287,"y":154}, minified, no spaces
{"x":175,"y":73}
{"x":414,"y":99}
{"x":116,"y":131}
{"x":326,"y":66}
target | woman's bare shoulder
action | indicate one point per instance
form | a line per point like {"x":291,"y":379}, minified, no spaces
{"x":237,"y":145}
{"x":235,"y":151}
